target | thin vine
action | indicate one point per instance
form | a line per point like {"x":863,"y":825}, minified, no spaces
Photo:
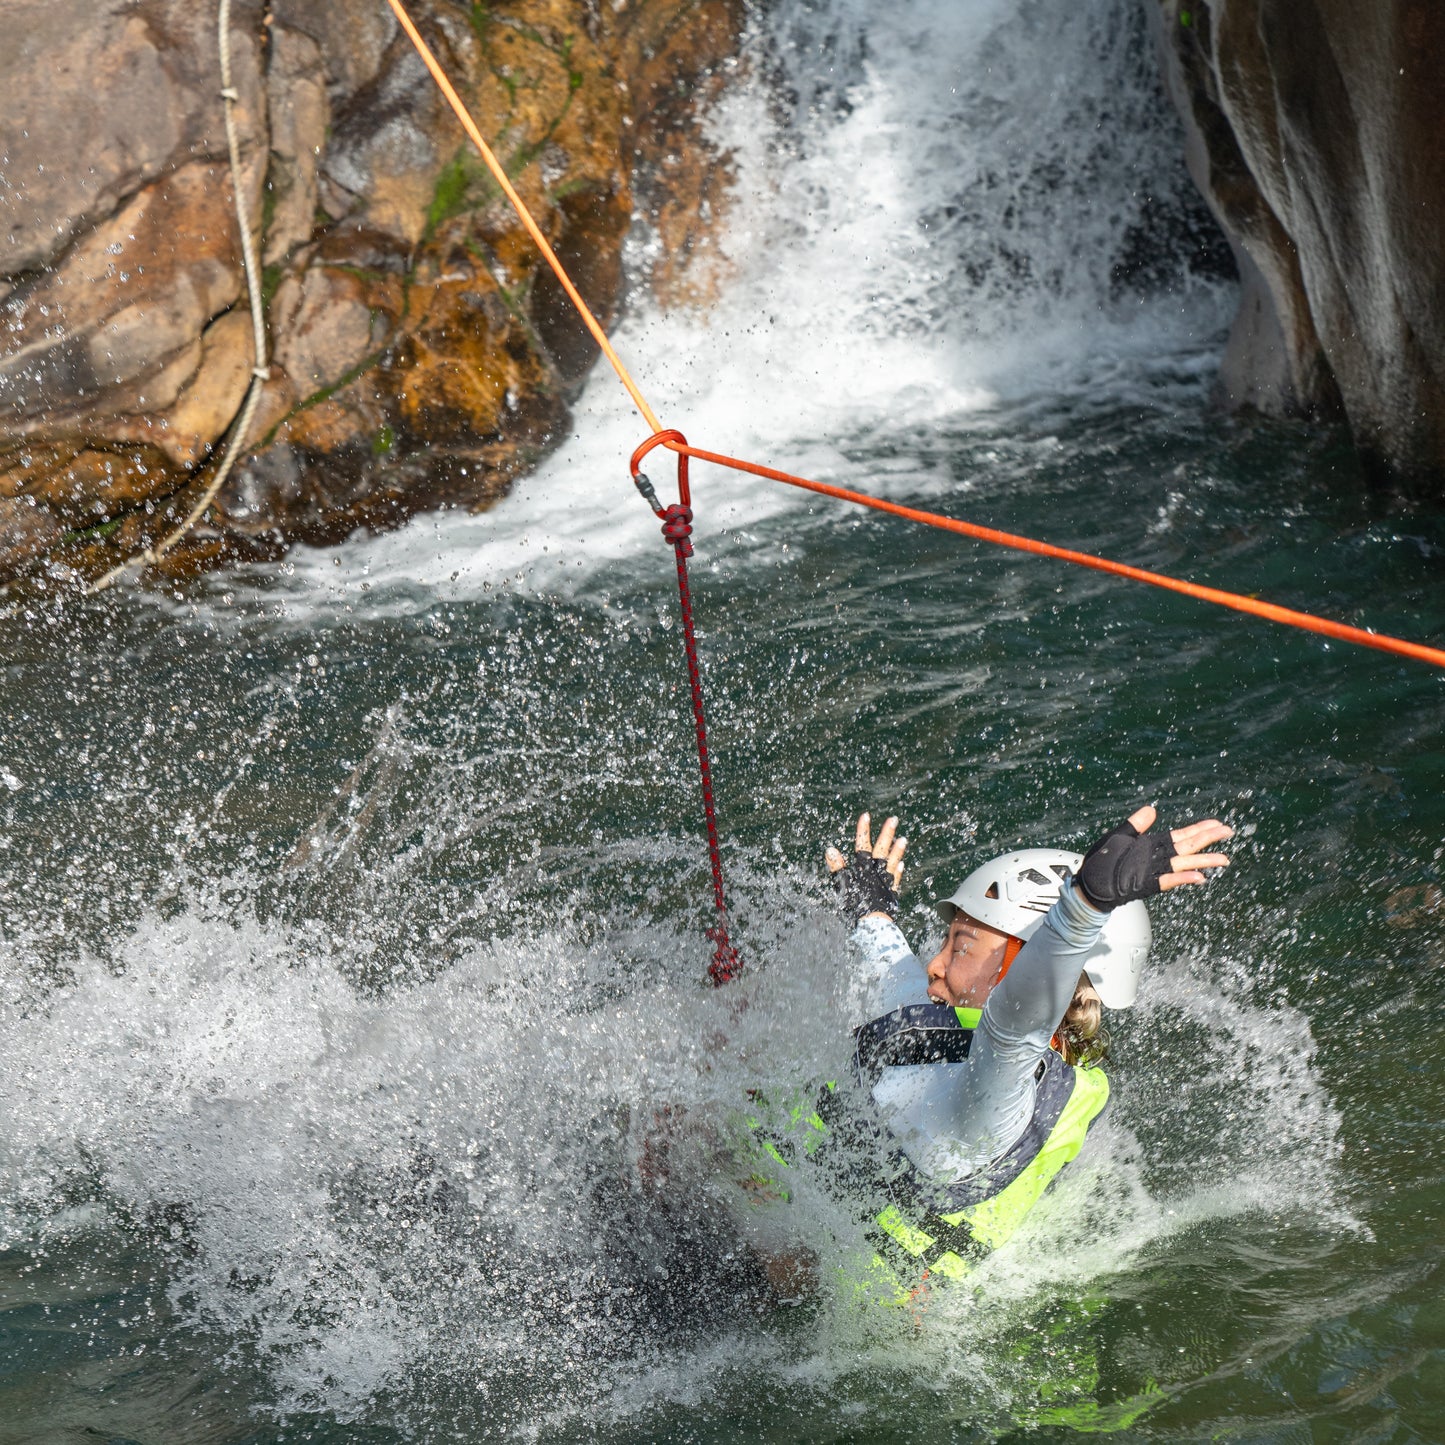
{"x":260,"y":372}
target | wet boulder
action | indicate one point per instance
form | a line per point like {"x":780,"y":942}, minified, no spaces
{"x":421,"y":355}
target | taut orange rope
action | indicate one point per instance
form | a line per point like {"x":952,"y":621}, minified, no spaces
{"x":1285,"y":615}
{"x":1255,"y":608}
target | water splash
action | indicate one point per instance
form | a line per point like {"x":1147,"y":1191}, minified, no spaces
{"x":512,"y":1153}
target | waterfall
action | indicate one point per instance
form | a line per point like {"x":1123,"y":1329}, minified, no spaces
{"x":942,"y":211}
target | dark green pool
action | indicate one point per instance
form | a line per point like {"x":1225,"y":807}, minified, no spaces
{"x":349,"y":954}
{"x":358,"y":1080}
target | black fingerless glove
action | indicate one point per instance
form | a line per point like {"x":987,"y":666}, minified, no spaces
{"x":865,"y":886}
{"x":1123,"y":866}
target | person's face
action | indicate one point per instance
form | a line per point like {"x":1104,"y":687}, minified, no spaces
{"x":963,"y":972}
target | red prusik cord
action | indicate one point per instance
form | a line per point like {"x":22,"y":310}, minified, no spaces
{"x":677,"y":529}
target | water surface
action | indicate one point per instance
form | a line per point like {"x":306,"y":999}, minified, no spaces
{"x":358,"y":1080}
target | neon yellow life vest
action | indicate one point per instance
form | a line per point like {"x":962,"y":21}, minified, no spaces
{"x":941,"y":1228}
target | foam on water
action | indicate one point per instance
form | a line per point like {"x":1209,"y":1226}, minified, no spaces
{"x":467,"y":1184}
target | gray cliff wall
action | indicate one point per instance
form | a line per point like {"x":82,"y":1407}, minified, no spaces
{"x":1316,"y":132}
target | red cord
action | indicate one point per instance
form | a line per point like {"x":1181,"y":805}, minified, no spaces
{"x":677,"y":520}
{"x":677,"y":527}
{"x":677,"y":530}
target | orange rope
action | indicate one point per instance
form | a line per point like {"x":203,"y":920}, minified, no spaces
{"x":1288,"y":616}
{"x":518,"y":205}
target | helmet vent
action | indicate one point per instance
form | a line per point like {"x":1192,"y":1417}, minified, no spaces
{"x":1013,"y":892}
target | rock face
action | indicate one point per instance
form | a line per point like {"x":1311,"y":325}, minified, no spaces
{"x":1315,"y":134}
{"x":421,"y":352}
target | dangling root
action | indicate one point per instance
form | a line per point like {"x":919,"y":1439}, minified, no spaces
{"x":260,"y":373}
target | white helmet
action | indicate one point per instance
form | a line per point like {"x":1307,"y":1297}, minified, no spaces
{"x":1012,"y":894}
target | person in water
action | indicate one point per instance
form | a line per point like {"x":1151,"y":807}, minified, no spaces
{"x":981,"y":1067}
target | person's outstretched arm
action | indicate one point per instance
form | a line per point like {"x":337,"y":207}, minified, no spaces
{"x":1028,"y":1003}
{"x":890,"y":973}
{"x":993,"y":1100}
{"x":867,"y":890}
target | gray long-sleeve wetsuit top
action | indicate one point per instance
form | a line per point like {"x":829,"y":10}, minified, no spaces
{"x":953,"y":1119}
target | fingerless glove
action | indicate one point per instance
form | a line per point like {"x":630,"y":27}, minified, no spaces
{"x":865,"y":886}
{"x":1124,"y":865}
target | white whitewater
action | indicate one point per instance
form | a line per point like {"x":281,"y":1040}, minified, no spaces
{"x":932,"y":207}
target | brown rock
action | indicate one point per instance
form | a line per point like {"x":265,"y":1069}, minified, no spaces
{"x":677,"y":60}
{"x":89,"y":486}
{"x":207,"y":407}
{"x":325,"y":326}
{"x":352,"y":38}
{"x":594,"y":221}
{"x":299,"y":114}
{"x":90,"y":348}
{"x":421,"y":353}
{"x":1314,"y":133}
{"x":100,"y":98}
{"x":391,"y":137}
{"x":472,"y":367}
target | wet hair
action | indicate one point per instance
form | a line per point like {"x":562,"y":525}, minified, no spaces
{"x":1081,"y":1038}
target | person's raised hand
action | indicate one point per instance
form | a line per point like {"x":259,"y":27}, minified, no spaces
{"x":1128,"y":862}
{"x":889,"y":849}
{"x":868,"y":883}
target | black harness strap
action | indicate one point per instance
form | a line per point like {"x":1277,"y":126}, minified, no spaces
{"x":919,"y":1033}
